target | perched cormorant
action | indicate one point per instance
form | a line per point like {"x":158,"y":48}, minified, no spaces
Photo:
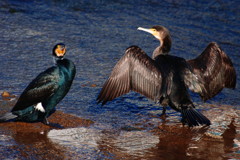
{"x":166,"y":79}
{"x":38,"y":100}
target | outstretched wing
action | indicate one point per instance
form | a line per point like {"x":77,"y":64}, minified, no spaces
{"x":215,"y":69}
{"x":41,"y":88}
{"x":134,"y":71}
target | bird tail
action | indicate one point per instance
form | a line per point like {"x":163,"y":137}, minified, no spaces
{"x":7,"y":117}
{"x":194,"y":118}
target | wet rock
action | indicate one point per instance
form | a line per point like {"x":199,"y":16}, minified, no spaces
{"x":82,"y":140}
{"x":93,"y":85}
{"x":92,"y":141}
{"x":29,"y":140}
{"x":221,"y":117}
{"x":65,"y":120}
{"x":5,"y":94}
{"x":136,"y":142}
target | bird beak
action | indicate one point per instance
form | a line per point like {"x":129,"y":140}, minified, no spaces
{"x":146,"y":30}
{"x":60,"y":52}
{"x":152,"y":31}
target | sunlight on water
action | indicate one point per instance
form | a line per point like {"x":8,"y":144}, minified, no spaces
{"x":96,"y":34}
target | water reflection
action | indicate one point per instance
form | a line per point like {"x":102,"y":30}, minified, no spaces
{"x":96,"y":34}
{"x":151,"y":138}
{"x":37,"y":146}
{"x":165,"y":142}
{"x":29,"y":145}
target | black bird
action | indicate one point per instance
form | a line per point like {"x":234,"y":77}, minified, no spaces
{"x":38,"y":100}
{"x":165,"y":78}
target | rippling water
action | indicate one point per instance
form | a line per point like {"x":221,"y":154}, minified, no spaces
{"x":96,"y":34}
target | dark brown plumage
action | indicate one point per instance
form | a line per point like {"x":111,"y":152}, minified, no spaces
{"x":166,"y":79}
{"x":216,"y":69}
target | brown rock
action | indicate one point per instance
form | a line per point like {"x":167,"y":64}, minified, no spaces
{"x":93,"y":85}
{"x":5,"y":94}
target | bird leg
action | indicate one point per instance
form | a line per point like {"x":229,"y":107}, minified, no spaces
{"x":164,"y":103}
{"x":164,"y":111}
{"x":45,"y":121}
{"x":163,"y":115}
{"x":54,"y":125}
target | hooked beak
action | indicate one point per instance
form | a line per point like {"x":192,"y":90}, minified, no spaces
{"x":146,"y":30}
{"x":151,"y":31}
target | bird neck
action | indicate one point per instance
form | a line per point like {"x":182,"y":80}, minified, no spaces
{"x":55,"y":59}
{"x":164,"y":48}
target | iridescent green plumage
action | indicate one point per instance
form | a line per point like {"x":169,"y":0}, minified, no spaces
{"x":48,"y":89}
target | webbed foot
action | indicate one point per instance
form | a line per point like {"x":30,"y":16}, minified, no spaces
{"x":54,"y":125}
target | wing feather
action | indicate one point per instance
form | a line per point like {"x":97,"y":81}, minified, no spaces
{"x":215,"y":69}
{"x":41,"y":88}
{"x":135,"y":71}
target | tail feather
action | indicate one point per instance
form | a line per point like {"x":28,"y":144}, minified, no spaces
{"x":7,"y":117}
{"x":194,"y":118}
{"x":190,"y":118}
{"x":200,"y":117}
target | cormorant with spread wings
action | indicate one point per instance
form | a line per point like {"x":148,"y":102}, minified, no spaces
{"x":166,"y":79}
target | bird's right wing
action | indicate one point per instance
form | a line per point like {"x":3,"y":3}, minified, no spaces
{"x":41,"y":88}
{"x":134,"y":71}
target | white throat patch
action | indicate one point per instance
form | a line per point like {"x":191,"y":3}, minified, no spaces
{"x":39,"y":107}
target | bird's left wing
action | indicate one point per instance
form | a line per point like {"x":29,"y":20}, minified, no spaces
{"x":135,"y":71}
{"x":41,"y":88}
{"x":215,"y":69}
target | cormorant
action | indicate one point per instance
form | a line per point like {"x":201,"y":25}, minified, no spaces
{"x":38,"y":100}
{"x":166,"y":79}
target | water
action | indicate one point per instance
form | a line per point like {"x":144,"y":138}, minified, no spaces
{"x":96,"y":34}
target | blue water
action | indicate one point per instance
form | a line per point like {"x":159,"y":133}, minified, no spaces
{"x":96,"y":34}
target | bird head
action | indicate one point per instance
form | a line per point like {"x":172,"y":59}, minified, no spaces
{"x":59,"y":50}
{"x":163,"y":35}
{"x":158,"y":32}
